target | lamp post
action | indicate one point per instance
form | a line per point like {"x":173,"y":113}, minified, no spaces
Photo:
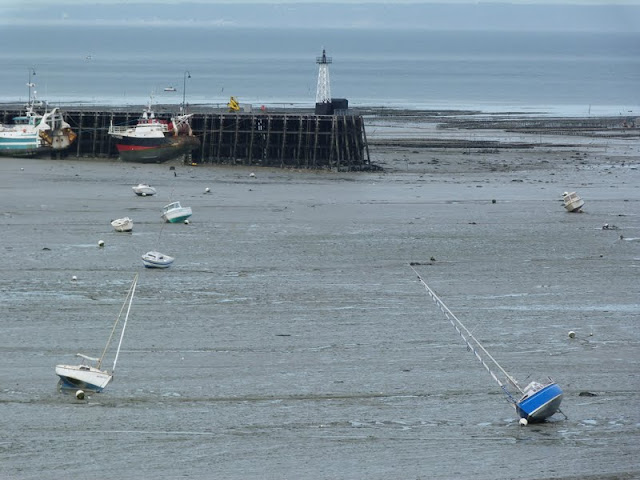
{"x":187,"y":74}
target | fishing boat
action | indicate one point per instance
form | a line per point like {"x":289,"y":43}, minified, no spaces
{"x":538,"y":401}
{"x":153,"y":139}
{"x":572,"y":201}
{"x":93,"y":377}
{"x":122,"y":224}
{"x":175,"y":213}
{"x":156,"y":260}
{"x":143,"y":190}
{"x":33,"y":133}
{"x":169,"y":89}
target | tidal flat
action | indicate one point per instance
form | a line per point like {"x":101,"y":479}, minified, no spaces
{"x":290,"y":339}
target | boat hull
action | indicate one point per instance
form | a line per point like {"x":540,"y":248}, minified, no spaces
{"x":83,"y":377}
{"x":177,"y":216}
{"x":572,"y":201}
{"x":156,"y":260}
{"x":540,"y":405}
{"x":143,"y":190}
{"x":574,"y":206}
{"x":21,"y":146}
{"x":123,"y":224}
{"x":154,"y":149}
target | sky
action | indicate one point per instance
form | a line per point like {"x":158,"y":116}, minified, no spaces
{"x":576,"y":15}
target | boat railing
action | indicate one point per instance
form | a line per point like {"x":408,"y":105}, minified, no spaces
{"x":118,"y":129}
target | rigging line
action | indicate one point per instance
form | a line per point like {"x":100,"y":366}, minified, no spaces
{"x":448,"y":312}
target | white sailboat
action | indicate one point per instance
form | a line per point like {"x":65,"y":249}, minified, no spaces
{"x":94,"y":378}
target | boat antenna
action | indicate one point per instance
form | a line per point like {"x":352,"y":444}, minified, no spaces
{"x":30,"y":84}
{"x":462,"y":330}
{"x":124,"y":326}
{"x":115,"y":325}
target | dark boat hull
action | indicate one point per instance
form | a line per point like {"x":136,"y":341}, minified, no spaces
{"x":155,"y":150}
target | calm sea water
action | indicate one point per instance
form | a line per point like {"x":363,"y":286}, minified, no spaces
{"x":570,"y":73}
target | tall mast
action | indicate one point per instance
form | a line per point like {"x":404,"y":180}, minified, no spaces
{"x":30,"y":84}
{"x":124,"y":325}
{"x":462,"y":330}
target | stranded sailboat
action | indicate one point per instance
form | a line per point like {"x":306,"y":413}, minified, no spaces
{"x":538,"y":401}
{"x":92,"y":378}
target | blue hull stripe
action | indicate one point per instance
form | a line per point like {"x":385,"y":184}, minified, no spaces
{"x":541,"y":404}
{"x":75,"y":384}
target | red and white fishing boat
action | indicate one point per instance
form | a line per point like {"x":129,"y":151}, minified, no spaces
{"x":154,"y":140}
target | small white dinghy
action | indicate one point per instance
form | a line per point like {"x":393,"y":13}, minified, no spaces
{"x":122,"y":224}
{"x":144,"y":190}
{"x":157,"y":260}
{"x":572,"y":201}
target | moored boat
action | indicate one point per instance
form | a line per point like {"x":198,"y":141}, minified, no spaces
{"x":95,"y":378}
{"x":33,"y":133}
{"x":154,"y":140}
{"x":143,"y":190}
{"x":155,"y":259}
{"x":572,"y":201}
{"x":175,"y":213}
{"x":122,"y":224}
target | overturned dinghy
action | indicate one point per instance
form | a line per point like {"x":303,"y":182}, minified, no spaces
{"x":538,"y":401}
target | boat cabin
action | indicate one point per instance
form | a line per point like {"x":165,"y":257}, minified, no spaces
{"x":171,"y":206}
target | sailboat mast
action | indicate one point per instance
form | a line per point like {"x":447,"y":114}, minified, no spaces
{"x":457,"y":324}
{"x":124,"y":325}
{"x":115,"y":325}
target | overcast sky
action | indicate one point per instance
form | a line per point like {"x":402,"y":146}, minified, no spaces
{"x":580,"y":15}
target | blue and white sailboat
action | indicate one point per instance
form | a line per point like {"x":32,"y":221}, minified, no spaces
{"x":538,"y":401}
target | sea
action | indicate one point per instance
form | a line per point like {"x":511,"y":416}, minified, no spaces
{"x":567,"y":73}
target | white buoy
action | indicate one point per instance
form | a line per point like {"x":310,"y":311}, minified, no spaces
{"x":80,"y":394}
{"x":186,"y":222}
{"x":144,"y":194}
{"x":206,"y":190}
{"x":252,"y":174}
{"x":572,"y":334}
{"x":74,"y":278}
{"x":523,"y":422}
{"x":101,"y":243}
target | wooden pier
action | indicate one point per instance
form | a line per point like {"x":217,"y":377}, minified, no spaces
{"x":283,"y":139}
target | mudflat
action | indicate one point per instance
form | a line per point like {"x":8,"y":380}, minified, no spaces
{"x":290,"y":339}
